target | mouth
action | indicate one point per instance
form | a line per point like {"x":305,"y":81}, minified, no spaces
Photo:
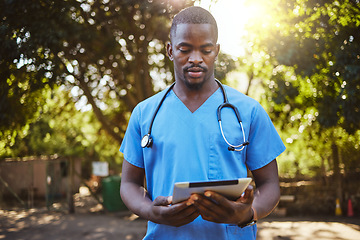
{"x":195,"y":72}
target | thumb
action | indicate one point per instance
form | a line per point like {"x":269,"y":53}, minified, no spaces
{"x":162,"y":201}
{"x":248,"y":196}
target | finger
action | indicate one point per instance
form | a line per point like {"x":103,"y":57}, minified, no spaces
{"x":190,"y":212}
{"x":212,"y":207}
{"x":193,"y":216}
{"x":167,"y":209}
{"x":185,"y":220}
{"x":248,"y":191}
{"x":177,"y":209}
{"x":248,"y":195}
{"x":185,"y":216}
{"x":218,"y":198}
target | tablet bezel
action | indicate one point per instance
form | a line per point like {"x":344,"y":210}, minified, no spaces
{"x":232,"y":189}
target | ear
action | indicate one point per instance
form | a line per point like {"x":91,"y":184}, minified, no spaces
{"x":169,"y":51}
{"x":217,"y":50}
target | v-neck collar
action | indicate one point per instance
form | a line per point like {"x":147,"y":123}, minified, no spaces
{"x":208,"y":101}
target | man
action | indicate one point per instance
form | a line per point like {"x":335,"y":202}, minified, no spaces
{"x":188,"y":145}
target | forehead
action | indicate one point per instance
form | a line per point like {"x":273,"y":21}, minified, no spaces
{"x":192,"y":33}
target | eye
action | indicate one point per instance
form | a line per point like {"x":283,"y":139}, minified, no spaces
{"x":207,"y":50}
{"x":184,"y":49}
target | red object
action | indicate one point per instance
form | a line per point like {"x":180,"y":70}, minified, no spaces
{"x":350,"y":212}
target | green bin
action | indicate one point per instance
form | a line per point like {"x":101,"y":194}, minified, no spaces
{"x":111,"y":194}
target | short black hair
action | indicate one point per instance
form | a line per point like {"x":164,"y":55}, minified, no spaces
{"x":193,"y":15}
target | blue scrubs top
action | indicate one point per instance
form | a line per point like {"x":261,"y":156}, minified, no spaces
{"x":189,"y":147}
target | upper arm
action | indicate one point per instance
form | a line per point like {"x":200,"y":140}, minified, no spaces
{"x":267,"y":174}
{"x":131,"y":174}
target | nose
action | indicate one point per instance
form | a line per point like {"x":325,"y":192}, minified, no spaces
{"x":195,"y":57}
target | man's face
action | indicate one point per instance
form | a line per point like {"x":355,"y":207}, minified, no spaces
{"x":193,"y":50}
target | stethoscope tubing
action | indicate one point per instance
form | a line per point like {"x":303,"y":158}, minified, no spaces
{"x":158,"y":107}
{"x":147,"y":141}
{"x":226,"y":103}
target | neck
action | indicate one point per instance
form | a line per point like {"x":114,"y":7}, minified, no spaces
{"x":193,"y":98}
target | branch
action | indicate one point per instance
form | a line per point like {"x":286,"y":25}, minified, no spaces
{"x":251,"y":78}
{"x":98,"y":113}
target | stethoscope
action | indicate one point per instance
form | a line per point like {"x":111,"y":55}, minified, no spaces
{"x":147,"y":140}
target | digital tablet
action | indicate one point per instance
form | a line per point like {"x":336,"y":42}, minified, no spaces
{"x":232,"y":189}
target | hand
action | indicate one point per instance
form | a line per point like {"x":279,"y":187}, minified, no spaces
{"x":214,"y":207}
{"x":174,"y":215}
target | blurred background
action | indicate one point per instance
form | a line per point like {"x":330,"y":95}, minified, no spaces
{"x":72,"y":71}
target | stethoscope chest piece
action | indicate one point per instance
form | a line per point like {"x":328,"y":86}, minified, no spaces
{"x":146,"y":141}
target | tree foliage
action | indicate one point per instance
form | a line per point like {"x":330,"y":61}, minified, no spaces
{"x":109,"y":54}
{"x":105,"y":50}
{"x":27,"y":65}
{"x":322,"y":43}
{"x":312,"y":91}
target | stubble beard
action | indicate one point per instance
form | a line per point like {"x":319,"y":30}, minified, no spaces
{"x":193,"y":86}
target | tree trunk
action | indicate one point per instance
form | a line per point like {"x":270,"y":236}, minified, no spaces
{"x":98,"y":113}
{"x":337,"y":175}
{"x":251,"y":78}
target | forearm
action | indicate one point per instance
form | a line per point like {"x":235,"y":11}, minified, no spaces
{"x":267,"y":193}
{"x":266,"y":197}
{"x":132,"y":190}
{"x":159,"y":210}
{"x":136,"y":199}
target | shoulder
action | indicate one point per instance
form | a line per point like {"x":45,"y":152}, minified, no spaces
{"x":150,"y":103}
{"x":236,"y":97}
{"x":144,"y":110}
{"x":245,"y":104}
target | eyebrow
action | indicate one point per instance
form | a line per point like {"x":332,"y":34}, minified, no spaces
{"x":184,"y":44}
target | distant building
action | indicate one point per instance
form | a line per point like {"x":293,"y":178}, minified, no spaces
{"x":39,"y":178}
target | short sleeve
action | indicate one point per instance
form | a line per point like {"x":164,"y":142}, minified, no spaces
{"x":130,"y":145}
{"x":265,"y":142}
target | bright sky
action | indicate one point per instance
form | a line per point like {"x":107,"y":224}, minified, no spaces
{"x":231,"y":17}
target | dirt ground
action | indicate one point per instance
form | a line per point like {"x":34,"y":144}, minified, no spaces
{"x":90,"y":221}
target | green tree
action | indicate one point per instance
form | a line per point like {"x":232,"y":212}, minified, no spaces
{"x":322,"y":43}
{"x":310,"y":75}
{"x":109,"y":54}
{"x":105,"y":50}
{"x":64,"y":130}
{"x":28,"y":30}
{"x":313,"y":92}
